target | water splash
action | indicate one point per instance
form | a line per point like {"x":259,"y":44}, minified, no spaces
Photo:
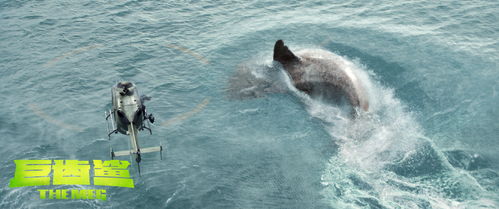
{"x":384,"y":159}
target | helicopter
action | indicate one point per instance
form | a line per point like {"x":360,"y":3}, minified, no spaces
{"x":128,"y":116}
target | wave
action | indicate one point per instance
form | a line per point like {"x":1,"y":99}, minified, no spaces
{"x":384,"y":159}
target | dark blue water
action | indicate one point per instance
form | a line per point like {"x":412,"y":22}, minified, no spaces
{"x":430,"y":139}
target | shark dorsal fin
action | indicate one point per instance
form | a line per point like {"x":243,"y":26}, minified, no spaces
{"x":283,"y":55}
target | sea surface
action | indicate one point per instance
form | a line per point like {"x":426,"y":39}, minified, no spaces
{"x":238,"y":134}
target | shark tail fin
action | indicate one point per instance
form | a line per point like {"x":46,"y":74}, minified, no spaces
{"x":283,"y":55}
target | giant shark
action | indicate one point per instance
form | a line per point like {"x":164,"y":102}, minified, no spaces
{"x":320,"y":76}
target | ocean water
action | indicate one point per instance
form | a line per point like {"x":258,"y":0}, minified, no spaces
{"x":430,"y":139}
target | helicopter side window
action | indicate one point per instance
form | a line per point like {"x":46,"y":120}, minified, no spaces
{"x":139,"y":115}
{"x":122,"y":117}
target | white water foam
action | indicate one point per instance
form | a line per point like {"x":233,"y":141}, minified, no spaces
{"x":386,"y":135}
{"x":384,"y":159}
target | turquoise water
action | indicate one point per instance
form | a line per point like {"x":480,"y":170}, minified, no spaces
{"x":429,"y":141}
